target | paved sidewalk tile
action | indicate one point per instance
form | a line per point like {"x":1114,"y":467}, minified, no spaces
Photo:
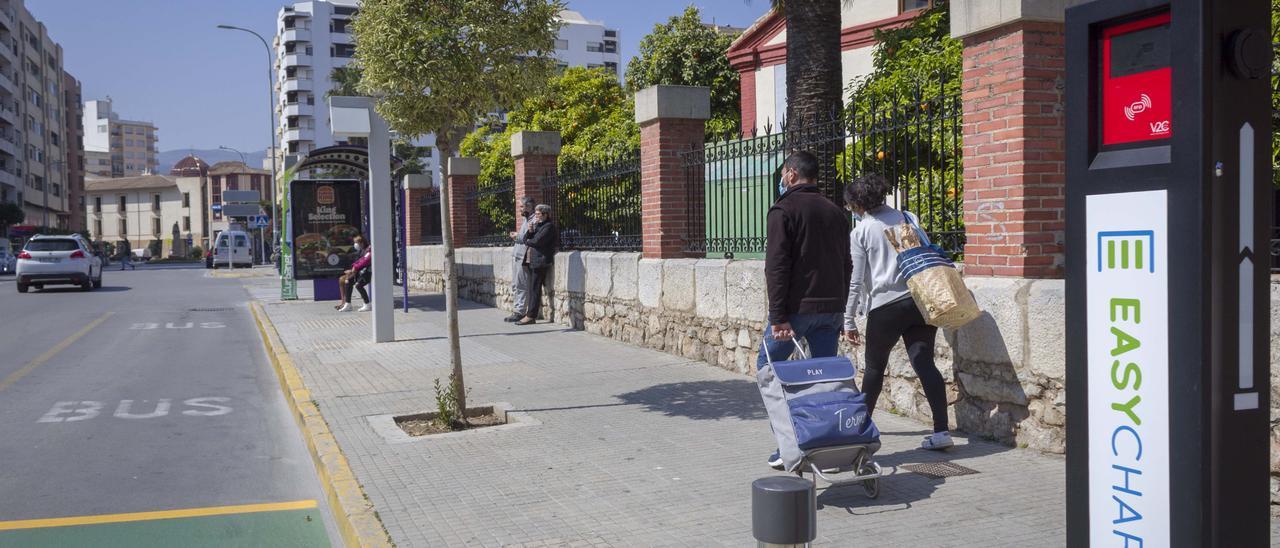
{"x":635,"y":447}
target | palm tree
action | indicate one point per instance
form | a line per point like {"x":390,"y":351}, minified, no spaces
{"x":814,"y":77}
{"x":345,"y":80}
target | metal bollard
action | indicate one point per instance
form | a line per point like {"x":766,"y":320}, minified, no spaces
{"x":784,"y":512}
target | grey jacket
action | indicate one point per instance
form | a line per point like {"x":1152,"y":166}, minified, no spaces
{"x":875,"y":278}
{"x":517,"y":250}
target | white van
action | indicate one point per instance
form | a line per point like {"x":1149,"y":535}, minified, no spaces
{"x":232,"y":246}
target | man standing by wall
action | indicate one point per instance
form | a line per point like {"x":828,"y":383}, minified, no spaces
{"x":519,"y":282}
{"x":807,"y":267}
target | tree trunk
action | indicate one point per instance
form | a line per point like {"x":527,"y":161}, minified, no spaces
{"x":814,"y":75}
{"x":450,"y":276}
{"x":815,"y":82}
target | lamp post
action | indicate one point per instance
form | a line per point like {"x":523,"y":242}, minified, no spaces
{"x":223,"y":147}
{"x":271,"y":111}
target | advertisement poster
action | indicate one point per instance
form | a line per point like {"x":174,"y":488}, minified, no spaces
{"x":325,"y":219}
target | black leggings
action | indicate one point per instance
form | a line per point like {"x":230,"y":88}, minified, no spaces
{"x":533,"y":293}
{"x":358,"y":281}
{"x":902,"y":320}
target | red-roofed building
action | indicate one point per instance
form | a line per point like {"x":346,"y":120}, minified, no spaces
{"x":760,"y":54}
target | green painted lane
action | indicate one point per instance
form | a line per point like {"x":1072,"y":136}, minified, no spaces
{"x":301,"y":528}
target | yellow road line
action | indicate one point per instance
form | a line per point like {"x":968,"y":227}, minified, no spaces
{"x":16,"y":375}
{"x":157,"y":515}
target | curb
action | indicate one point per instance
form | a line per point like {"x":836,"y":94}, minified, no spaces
{"x":357,"y":522}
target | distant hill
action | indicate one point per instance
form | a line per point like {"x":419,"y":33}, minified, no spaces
{"x":210,"y":156}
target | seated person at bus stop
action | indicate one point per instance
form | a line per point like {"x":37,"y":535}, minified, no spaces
{"x":359,"y":269}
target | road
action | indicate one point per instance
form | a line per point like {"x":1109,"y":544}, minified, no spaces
{"x":146,"y":412}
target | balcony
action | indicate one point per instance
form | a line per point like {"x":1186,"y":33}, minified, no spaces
{"x":341,"y":36}
{"x":8,"y":19}
{"x":296,"y":60}
{"x":9,"y":143}
{"x":298,"y":109}
{"x":7,"y":178}
{"x":297,"y":84}
{"x":296,"y":34}
{"x":6,"y":81}
{"x":299,"y":134}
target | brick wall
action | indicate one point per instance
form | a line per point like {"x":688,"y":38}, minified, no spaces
{"x":748,"y":82}
{"x":413,"y":208}
{"x":666,"y":201}
{"x":530,"y":170}
{"x":463,"y":217}
{"x":1014,"y":151}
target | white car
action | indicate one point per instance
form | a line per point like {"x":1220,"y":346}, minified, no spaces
{"x":232,"y":247}
{"x":49,"y":260}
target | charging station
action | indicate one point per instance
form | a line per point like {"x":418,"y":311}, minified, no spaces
{"x":1169,"y":215}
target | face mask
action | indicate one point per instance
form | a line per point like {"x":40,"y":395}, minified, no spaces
{"x":858,"y":216}
{"x":782,"y":186}
{"x":359,"y":247}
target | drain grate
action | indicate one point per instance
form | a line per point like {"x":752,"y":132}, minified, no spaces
{"x":221,"y":309}
{"x":939,"y":470}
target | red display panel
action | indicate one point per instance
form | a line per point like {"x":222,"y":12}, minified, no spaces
{"x":1136,"y":82}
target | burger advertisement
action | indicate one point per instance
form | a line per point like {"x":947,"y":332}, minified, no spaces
{"x":326,"y":220}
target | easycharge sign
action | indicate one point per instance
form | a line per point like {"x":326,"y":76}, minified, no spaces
{"x":1128,"y":368}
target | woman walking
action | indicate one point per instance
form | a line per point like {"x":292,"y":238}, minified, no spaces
{"x":892,"y":313}
{"x":540,"y":240}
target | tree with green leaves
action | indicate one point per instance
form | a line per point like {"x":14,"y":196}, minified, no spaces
{"x":685,"y":52}
{"x":592,"y":112}
{"x":437,"y":67}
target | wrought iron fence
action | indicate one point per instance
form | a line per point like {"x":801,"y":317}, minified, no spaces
{"x":431,"y":229}
{"x":597,"y":205}
{"x":915,"y":143}
{"x":495,"y":206}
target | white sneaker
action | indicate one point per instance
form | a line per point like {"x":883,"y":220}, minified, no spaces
{"x":937,"y":442}
{"x":346,"y":307}
{"x":365,"y":308}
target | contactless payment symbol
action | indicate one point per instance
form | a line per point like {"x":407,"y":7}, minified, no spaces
{"x":1138,"y":107}
{"x":1127,"y":250}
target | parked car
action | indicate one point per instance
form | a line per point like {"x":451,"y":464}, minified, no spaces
{"x":232,"y":247}
{"x":50,"y":260}
{"x":8,"y":261}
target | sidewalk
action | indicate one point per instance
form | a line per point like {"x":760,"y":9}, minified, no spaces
{"x":634,"y":447}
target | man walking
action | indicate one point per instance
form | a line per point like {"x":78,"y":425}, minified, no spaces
{"x":807,"y":267}
{"x":519,"y":280}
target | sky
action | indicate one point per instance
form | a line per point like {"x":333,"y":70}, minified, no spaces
{"x":164,"y":61}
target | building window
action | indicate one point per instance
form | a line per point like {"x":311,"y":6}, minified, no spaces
{"x":97,"y":229}
{"x":340,"y":10}
{"x":342,"y":50}
{"x":124,"y":228}
{"x":186,"y":199}
{"x":155,"y":202}
{"x":186,"y":224}
{"x":121,"y":206}
{"x":155,"y":226}
{"x":611,"y":66}
{"x":595,"y":47}
{"x":912,"y":5}
{"x":610,"y":33}
{"x":562,"y":44}
{"x":97,"y":206}
{"x":610,"y":46}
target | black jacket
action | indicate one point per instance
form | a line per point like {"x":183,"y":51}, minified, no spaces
{"x":542,"y":241}
{"x":807,"y":263}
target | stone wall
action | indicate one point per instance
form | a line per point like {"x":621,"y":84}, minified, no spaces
{"x":1004,"y":371}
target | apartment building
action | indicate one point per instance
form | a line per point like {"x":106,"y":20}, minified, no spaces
{"x":585,"y":43}
{"x":33,"y":161}
{"x":73,"y":132}
{"x":116,"y":147}
{"x":149,"y":208}
{"x":313,"y":38}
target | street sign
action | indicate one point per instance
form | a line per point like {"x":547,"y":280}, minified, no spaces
{"x":260,"y":221}
{"x":241,"y":210}
{"x":241,"y":196}
{"x":216,"y":207}
{"x":1168,"y":196}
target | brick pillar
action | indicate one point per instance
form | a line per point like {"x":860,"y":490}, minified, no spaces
{"x":535,"y":154}
{"x":672,"y":121}
{"x":463,"y":216}
{"x":416,"y":188}
{"x":1014,"y":130}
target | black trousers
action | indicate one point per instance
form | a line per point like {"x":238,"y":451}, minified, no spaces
{"x":902,"y":320}
{"x":358,"y":281}
{"x":533,"y":294}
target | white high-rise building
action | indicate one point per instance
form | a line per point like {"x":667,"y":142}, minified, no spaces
{"x":314,"y":38}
